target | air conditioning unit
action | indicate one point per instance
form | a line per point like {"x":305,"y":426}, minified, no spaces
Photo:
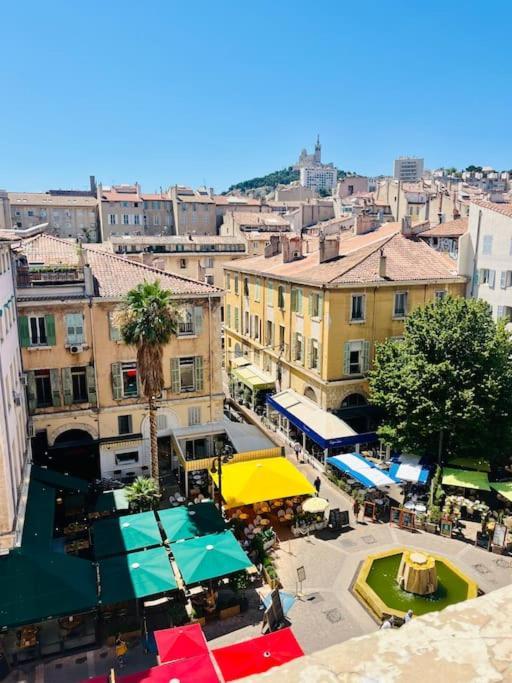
{"x":23,"y":379}
{"x":76,"y":348}
{"x":17,"y":398}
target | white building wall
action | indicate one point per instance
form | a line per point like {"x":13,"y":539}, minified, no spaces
{"x":408,"y":169}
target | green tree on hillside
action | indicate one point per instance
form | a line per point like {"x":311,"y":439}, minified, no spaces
{"x":447,"y":387}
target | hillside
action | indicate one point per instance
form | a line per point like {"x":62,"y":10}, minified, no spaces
{"x":272,"y":180}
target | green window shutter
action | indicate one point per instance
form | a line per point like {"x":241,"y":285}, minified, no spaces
{"x":67,"y":386}
{"x":117,"y":385}
{"x":49,"y":323}
{"x":293,"y":297}
{"x":270,"y":294}
{"x":236,"y":319}
{"x":175,"y":376}
{"x":310,"y":353}
{"x":31,"y":391}
{"x":319,"y":367}
{"x":346,"y":359}
{"x":198,"y":372}
{"x":320,"y":305}
{"x":198,"y":319}
{"x":366,"y":356}
{"x":91,"y":384}
{"x":115,"y":332}
{"x":310,"y":299}
{"x":74,"y":323}
{"x":55,"y":384}
{"x":228,"y":315}
{"x":23,"y":331}
{"x":303,"y":350}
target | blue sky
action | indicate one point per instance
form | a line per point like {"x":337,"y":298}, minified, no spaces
{"x":168,"y":92}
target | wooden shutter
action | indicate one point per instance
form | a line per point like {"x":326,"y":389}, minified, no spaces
{"x":117,"y":381}
{"x":366,"y":356}
{"x":310,"y":308}
{"x":320,"y":305}
{"x":49,"y":323}
{"x":319,"y":364}
{"x":228,"y":315}
{"x":198,"y":319}
{"x":346,"y":359}
{"x":503,"y":279}
{"x":299,"y":301}
{"x":175,"y":375}
{"x":293,"y":298}
{"x":310,"y":351}
{"x":270,"y":294}
{"x":74,"y":328}
{"x":24,"y":332}
{"x":67,"y":386}
{"x":114,"y":331}
{"x":91,"y":384}
{"x":55,"y":384}
{"x":492,"y":277}
{"x":198,"y":373}
{"x":236,"y":319}
{"x":302,"y":349}
{"x":31,"y":391}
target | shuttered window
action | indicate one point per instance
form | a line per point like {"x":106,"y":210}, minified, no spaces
{"x":37,"y":330}
{"x":74,"y":324}
{"x":114,"y":329}
{"x":194,"y":416}
{"x":187,"y":374}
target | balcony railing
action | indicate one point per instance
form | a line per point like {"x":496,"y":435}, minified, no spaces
{"x":34,"y":278}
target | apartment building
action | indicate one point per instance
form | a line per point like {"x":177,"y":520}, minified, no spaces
{"x":408,"y":169}
{"x":200,"y":257}
{"x":310,"y":320}
{"x":126,"y":210}
{"x":84,"y":395}
{"x":225,"y":204}
{"x":444,"y":237}
{"x":239,"y":223}
{"x":485,"y":256}
{"x":67,"y":214}
{"x":195,"y":211}
{"x":319,"y":178}
{"x":14,"y":442}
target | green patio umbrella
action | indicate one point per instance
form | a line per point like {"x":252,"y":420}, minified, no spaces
{"x":467,"y":479}
{"x":209,"y":557}
{"x":136,"y":575}
{"x":190,"y":521}
{"x":126,"y":533}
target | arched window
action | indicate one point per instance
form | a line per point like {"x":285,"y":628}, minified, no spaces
{"x":353,"y":401}
{"x":310,"y":393}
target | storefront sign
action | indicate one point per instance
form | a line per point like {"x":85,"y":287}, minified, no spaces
{"x":499,"y":535}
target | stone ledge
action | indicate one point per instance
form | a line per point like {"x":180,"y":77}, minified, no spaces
{"x":467,"y":643}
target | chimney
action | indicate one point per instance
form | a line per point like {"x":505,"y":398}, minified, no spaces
{"x":406,"y":225}
{"x":92,"y":185}
{"x":363,"y":224}
{"x":328,"y":248}
{"x":88,"y":280}
{"x":292,"y":248}
{"x":273,"y":247}
{"x":382,"y":264}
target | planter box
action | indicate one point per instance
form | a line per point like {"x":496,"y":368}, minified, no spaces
{"x":273,"y":583}
{"x":229,"y":612}
{"x":431,"y":527}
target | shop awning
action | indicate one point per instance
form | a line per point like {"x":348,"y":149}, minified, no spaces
{"x":254,"y":481}
{"x":111,"y":501}
{"x":404,"y":471}
{"x":209,"y":557}
{"x":190,"y":521}
{"x":504,"y":488}
{"x":467,"y":479}
{"x":253,"y":377}
{"x":192,"y":670}
{"x":136,"y":575}
{"x":181,"y":642}
{"x":324,"y":428}
{"x":39,"y":516}
{"x":59,"y":480}
{"x":38,"y":585}
{"x":257,"y":655}
{"x":240,"y":361}
{"x":126,"y":533}
{"x":362,"y":470}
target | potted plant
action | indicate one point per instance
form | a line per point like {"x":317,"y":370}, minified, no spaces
{"x":433,"y":518}
{"x":143,"y":494}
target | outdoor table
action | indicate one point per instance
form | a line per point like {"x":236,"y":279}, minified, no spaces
{"x":265,"y":522}
{"x":277,"y":504}
{"x":409,"y":505}
{"x":265,"y":508}
{"x":288,"y":517}
{"x":243,"y":515}
{"x":379,"y":501}
{"x":419,"y":507}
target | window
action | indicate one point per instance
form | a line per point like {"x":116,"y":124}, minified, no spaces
{"x":129,"y":379}
{"x":228,"y":315}
{"x":440,"y":294}
{"x":112,"y":219}
{"x":487,"y":245}
{"x":126,"y":219}
{"x":314,"y":355}
{"x":161,"y":422}
{"x":186,"y":323}
{"x":43,"y":388}
{"x":257,"y":289}
{"x":124,"y":424}
{"x":315,"y":305}
{"x":400,"y":307}
{"x":270,"y":294}
{"x":156,"y":220}
{"x":487,"y":277}
{"x":74,"y":323}
{"x":38,"y":336}
{"x":183,"y":263}
{"x":136,"y":219}
{"x":357,"y":308}
{"x":30,"y":213}
{"x":227,"y":278}
{"x":236,"y":284}
{"x":209,"y":279}
{"x":127,"y":457}
{"x":280,"y":297}
{"x":297,"y":300}
{"x":194,"y":416}
{"x":208,"y":262}
{"x":504,"y":312}
{"x":281,"y":338}
{"x":79,"y":385}
{"x":269,"y":336}
{"x":246,"y":323}
{"x":506,"y":279}
{"x":357,"y":357}
{"x":298,"y":353}
{"x":187,"y":374}
{"x":246,"y":286}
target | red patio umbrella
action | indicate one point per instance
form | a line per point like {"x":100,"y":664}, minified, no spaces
{"x":190,"y":670}
{"x":257,"y":655}
{"x":181,"y":642}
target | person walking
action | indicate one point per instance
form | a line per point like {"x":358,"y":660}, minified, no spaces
{"x":317,"y":483}
{"x":121,"y":650}
{"x":356,"y":509}
{"x":408,"y":616}
{"x":297,"y":448}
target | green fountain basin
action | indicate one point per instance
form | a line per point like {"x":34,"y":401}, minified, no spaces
{"x":376,"y":586}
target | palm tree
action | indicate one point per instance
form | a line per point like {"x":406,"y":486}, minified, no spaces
{"x":142,"y":494}
{"x":148,"y":321}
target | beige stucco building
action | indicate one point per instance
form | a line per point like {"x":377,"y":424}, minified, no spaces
{"x":82,"y":381}
{"x":126,"y":210}
{"x":195,"y":211}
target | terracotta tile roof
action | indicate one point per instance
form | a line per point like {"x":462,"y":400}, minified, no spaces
{"x":259,"y":219}
{"x":175,"y":239}
{"x":154,"y":197}
{"x":454,"y":228}
{"x":109,"y":196}
{"x":406,"y":260}
{"x":195,"y":199}
{"x":45,"y":199}
{"x":504,"y":209}
{"x":114,"y":276}
{"x":231,"y":200}
{"x":50,"y":251}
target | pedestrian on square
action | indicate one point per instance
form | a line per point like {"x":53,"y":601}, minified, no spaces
{"x":387,"y":623}
{"x":408,"y":616}
{"x":317,"y":483}
{"x":356,"y":508}
{"x":297,"y":448}
{"x":121,"y":650}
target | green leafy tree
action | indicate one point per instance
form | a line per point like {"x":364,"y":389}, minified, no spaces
{"x":148,"y":322}
{"x":473,"y":169}
{"x":447,"y":387}
{"x":143,"y":494}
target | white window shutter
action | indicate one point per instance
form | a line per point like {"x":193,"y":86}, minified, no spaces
{"x":503,"y":279}
{"x":346,"y":359}
{"x":366,"y":356}
{"x":492,"y":276}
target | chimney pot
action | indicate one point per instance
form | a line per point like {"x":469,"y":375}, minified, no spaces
{"x":328,"y":248}
{"x":382,"y":264}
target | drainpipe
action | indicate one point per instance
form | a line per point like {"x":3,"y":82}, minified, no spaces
{"x":475,"y":255}
{"x":210,"y":353}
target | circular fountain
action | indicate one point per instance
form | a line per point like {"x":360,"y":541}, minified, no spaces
{"x":398,"y":580}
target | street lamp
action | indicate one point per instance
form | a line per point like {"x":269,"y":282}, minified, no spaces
{"x":221,"y":459}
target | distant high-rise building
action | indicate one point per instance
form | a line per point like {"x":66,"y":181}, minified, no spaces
{"x":408,"y":169}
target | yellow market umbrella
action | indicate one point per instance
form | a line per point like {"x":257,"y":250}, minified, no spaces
{"x":315,"y":505}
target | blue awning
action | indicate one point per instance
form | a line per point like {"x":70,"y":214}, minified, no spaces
{"x":324,"y":428}
{"x":362,"y":470}
{"x":409,"y":472}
